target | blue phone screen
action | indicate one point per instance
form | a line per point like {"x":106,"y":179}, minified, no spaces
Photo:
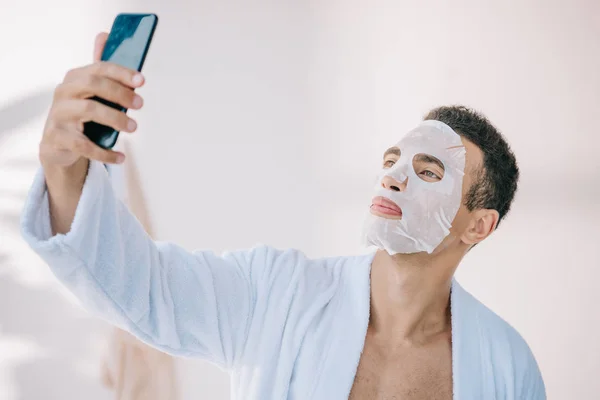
{"x":126,"y":45}
{"x":127,"y":42}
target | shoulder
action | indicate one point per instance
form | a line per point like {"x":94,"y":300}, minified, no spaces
{"x":268,"y":265}
{"x":266,"y":260}
{"x":262,"y":260}
{"x":510,"y":354}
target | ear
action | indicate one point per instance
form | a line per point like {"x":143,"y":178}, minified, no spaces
{"x":482,"y":224}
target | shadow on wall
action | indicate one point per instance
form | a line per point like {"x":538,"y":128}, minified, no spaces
{"x":44,"y":339}
{"x":23,"y":111}
{"x":35,"y":320}
{"x":13,"y":116}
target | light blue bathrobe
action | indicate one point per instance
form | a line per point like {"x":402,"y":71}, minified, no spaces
{"x":283,"y":325}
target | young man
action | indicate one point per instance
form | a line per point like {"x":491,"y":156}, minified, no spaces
{"x":390,"y":324}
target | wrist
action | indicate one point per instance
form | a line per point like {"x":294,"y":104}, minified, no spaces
{"x":71,"y":174}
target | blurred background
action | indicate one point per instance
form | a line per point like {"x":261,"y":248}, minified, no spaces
{"x":266,"y":122}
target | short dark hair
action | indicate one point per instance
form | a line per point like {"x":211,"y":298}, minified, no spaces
{"x":496,"y":180}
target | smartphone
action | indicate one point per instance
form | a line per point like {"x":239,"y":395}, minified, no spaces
{"x":127,"y":45}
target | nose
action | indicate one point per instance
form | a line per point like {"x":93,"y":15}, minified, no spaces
{"x":392,"y":184}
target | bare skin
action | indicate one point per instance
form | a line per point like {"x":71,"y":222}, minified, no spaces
{"x":408,"y":347}
{"x":407,"y":352}
{"x":64,"y":150}
{"x":404,"y":370}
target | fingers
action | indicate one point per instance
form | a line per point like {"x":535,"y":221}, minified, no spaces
{"x":82,"y":97}
{"x":105,"y":80}
{"x":86,"y":86}
{"x":99,"y":44}
{"x":80,"y":144}
{"x":77,"y":111}
{"x":125,"y":76}
{"x":70,"y":140}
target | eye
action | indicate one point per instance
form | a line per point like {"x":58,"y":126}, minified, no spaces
{"x":430,"y":175}
{"x":389,"y":163}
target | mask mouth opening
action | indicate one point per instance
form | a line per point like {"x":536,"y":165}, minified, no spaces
{"x":383,"y":207}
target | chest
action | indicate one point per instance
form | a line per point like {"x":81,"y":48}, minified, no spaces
{"x":404,"y":372}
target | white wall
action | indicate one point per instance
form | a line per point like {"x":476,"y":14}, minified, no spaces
{"x":266,"y":123}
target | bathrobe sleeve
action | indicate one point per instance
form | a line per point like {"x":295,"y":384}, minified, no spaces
{"x":533,"y":383}
{"x":185,"y":303}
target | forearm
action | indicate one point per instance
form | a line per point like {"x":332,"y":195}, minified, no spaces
{"x":64,"y":191}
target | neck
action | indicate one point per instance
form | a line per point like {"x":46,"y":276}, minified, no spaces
{"x":410,"y":295}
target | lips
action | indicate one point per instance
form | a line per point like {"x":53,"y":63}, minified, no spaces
{"x":385,"y":206}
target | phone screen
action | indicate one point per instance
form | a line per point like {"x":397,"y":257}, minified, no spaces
{"x":127,"y":45}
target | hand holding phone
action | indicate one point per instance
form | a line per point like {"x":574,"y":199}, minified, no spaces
{"x":127,"y":45}
{"x":64,"y":142}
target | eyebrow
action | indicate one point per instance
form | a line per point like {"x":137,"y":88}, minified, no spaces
{"x":392,"y":150}
{"x":426,"y":158}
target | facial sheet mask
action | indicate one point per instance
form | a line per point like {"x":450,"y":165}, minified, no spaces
{"x":428,"y":208}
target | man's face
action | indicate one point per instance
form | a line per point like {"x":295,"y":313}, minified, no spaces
{"x":418,"y":199}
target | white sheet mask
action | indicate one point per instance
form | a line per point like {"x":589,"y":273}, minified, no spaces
{"x":428,"y":208}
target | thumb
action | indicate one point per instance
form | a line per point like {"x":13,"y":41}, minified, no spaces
{"x":99,"y":45}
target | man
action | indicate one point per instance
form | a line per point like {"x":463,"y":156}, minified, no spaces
{"x":390,"y":324}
